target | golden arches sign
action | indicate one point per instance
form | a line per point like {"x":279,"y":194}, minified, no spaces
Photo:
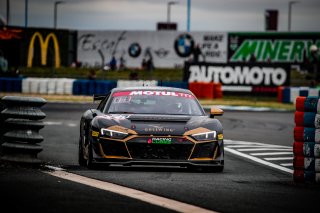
{"x":44,"y":49}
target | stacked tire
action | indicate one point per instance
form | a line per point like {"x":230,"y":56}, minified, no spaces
{"x":306,"y":146}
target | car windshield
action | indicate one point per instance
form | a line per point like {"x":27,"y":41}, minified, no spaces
{"x":154,"y":102}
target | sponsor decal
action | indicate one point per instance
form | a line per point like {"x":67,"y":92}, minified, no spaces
{"x":122,"y":99}
{"x":155,"y":128}
{"x":213,"y":46}
{"x":183,"y":45}
{"x":152,"y":93}
{"x":161,"y":53}
{"x":254,"y":75}
{"x":162,"y":129}
{"x":95,"y":134}
{"x":159,"y":140}
{"x":115,"y":117}
{"x":44,"y":43}
{"x":220,"y":137}
{"x":275,"y":51}
{"x":134,"y":50}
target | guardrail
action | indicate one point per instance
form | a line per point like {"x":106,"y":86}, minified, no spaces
{"x":21,"y":122}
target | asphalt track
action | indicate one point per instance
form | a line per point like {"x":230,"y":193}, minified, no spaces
{"x":245,"y":185}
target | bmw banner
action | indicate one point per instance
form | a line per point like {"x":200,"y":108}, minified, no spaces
{"x":167,"y":49}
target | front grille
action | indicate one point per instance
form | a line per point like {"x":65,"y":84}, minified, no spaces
{"x":204,"y":150}
{"x":114,"y":148}
{"x":179,"y":149}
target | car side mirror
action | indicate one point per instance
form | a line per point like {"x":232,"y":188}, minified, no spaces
{"x":215,"y":111}
{"x":94,"y":113}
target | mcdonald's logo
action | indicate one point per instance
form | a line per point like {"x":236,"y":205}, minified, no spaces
{"x":44,"y":49}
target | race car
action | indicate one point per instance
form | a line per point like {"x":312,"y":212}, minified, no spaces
{"x":151,"y":126}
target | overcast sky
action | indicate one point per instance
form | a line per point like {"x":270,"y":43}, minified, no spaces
{"x":206,"y":15}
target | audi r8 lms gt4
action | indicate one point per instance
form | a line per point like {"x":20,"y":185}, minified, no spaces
{"x":151,"y":126}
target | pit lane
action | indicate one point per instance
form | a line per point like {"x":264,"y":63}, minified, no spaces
{"x":244,"y":186}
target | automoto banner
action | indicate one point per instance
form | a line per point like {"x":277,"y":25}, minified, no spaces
{"x":271,"y":47}
{"x":250,"y":74}
{"x":167,"y":49}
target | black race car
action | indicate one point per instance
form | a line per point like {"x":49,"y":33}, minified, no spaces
{"x":151,"y":126}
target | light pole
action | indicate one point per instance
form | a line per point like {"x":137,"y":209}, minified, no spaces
{"x":169,"y":5}
{"x":26,"y":13}
{"x":56,"y":3}
{"x":8,"y":12}
{"x":188,"y":15}
{"x":289,"y":13}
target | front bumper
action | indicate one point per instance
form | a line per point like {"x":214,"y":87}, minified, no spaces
{"x":182,"y":151}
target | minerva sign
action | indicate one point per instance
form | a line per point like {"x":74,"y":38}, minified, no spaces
{"x":271,"y":47}
{"x":238,"y":74}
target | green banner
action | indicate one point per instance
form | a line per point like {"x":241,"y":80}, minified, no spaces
{"x":271,"y":47}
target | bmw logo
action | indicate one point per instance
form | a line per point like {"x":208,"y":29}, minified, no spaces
{"x":134,"y":50}
{"x":183,"y":45}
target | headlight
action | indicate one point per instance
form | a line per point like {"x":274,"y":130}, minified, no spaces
{"x":205,"y":136}
{"x":113,"y":134}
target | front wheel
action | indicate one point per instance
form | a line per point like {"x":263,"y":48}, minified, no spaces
{"x":89,"y":162}
{"x":81,"y":160}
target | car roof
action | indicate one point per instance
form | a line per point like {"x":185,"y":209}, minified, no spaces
{"x":161,"y":88}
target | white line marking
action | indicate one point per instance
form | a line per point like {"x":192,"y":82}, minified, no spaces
{"x":56,"y":123}
{"x":71,"y":125}
{"x":259,"y":160}
{"x":229,"y":142}
{"x":286,"y":164}
{"x":54,"y":168}
{"x":136,"y":194}
{"x":280,"y":158}
{"x":264,"y":149}
{"x":244,"y":146}
{"x":271,"y":153}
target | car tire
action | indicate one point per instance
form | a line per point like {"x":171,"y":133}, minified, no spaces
{"x":89,"y":161}
{"x":81,"y":160}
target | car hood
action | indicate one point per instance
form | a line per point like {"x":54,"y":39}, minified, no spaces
{"x":156,"y":124}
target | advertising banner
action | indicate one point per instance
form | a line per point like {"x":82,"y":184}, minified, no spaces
{"x":250,"y":74}
{"x":166,"y":49}
{"x":46,"y":47}
{"x":34,"y":47}
{"x":11,"y":40}
{"x":271,"y":47}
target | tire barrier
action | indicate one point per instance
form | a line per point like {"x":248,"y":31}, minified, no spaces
{"x":290,"y":94}
{"x":11,"y":85}
{"x":21,"y":119}
{"x":138,"y":83}
{"x":206,"y":90}
{"x":176,"y":84}
{"x":66,"y":86}
{"x":90,"y":87}
{"x":50,"y":86}
{"x":306,"y":146}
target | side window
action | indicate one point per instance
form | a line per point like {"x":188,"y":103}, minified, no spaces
{"x":103,"y":103}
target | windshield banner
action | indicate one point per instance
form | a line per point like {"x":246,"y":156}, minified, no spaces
{"x":152,"y":93}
